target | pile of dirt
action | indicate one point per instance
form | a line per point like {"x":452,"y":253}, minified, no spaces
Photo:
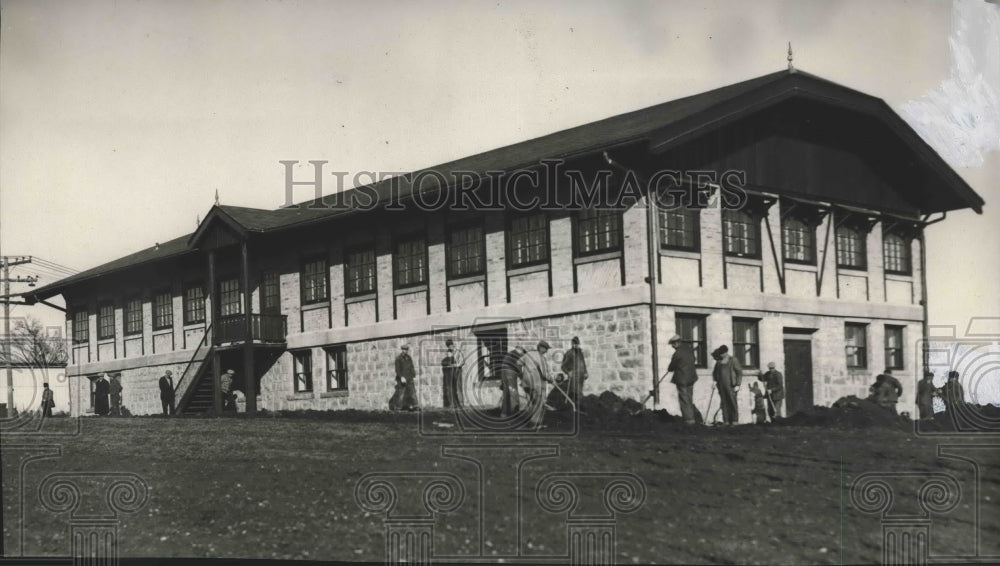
{"x":609,"y":411}
{"x":849,"y":412}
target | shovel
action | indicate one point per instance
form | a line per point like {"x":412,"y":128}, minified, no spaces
{"x":642,"y":404}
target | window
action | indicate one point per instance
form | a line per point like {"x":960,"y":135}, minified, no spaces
{"x":230,"y":298}
{"x":194,"y":304}
{"x":742,"y":234}
{"x":746,"y":347}
{"x":691,"y":329}
{"x":336,"y":368}
{"x":270,"y":292}
{"x":896,"y":251}
{"x":598,"y":231}
{"x":851,"y":248}
{"x":163,"y":311}
{"x":799,"y":241}
{"x":359,"y":272}
{"x":894,"y":347}
{"x":314,"y":278}
{"x":528,"y":241}
{"x":466,"y":252}
{"x":302,"y":361}
{"x":81,"y":327}
{"x":105,"y":322}
{"x":856,"y":345}
{"x":679,"y":228}
{"x":133,"y":316}
{"x":411,"y":263}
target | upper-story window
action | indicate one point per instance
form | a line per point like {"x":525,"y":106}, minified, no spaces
{"x":896,"y":251}
{"x":851,"y":249}
{"x":679,"y":228}
{"x":314,"y":279}
{"x":799,"y":241}
{"x":81,"y":326}
{"x":528,"y":240}
{"x":359,"y":272}
{"x":411,"y":262}
{"x":194,"y":304}
{"x":270,"y":292}
{"x":598,"y":231}
{"x":163,"y":311}
{"x":105,"y":321}
{"x":230,"y":298}
{"x":741,"y":231}
{"x":466,"y":252}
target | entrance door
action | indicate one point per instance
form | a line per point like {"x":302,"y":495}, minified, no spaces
{"x":798,"y":376}
{"x":492,"y":346}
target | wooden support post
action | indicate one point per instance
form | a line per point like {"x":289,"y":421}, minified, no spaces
{"x":211,"y":327}
{"x":249,"y":374}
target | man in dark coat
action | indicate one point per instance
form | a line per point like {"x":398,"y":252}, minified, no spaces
{"x":682,"y":364}
{"x":116,"y":394}
{"x":728,"y":377}
{"x":889,"y":392}
{"x":925,"y":396}
{"x":167,"y":393}
{"x":774,"y":391}
{"x":102,"y":392}
{"x":574,"y":367}
{"x":405,"y":396}
{"x":47,"y":401}
{"x":510,"y":371}
{"x":451,"y":377}
{"x":954,"y":394}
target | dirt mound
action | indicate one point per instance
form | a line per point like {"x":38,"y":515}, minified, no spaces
{"x":849,"y":412}
{"x":609,"y":411}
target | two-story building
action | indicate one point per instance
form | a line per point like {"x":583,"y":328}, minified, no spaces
{"x":801,"y":243}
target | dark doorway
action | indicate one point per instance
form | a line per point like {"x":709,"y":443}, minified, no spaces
{"x":491,"y":345}
{"x":798,"y":376}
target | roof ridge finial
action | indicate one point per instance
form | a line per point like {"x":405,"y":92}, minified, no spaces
{"x":791,"y":68}
{"x":197,"y":220}
{"x":217,"y":190}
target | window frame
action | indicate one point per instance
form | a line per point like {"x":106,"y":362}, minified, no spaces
{"x":861,"y":252}
{"x":861,"y":352}
{"x":194,"y":305}
{"x":132,"y":316}
{"x":158,"y":310}
{"x":226,"y":295}
{"x":106,"y":331}
{"x":617,"y":229}
{"x":302,"y":368}
{"x":343,"y":381}
{"x":544,"y":247}
{"x":350,"y":269}
{"x":893,"y":352}
{"x":692,"y":214}
{"x":699,"y":347}
{"x":480,"y":249}
{"x":81,"y":332}
{"x":754,"y":346}
{"x":412,"y":240}
{"x":809,"y":229}
{"x":729,"y":217}
{"x":311,"y":279}
{"x":905,"y":258}
{"x":270,"y":288}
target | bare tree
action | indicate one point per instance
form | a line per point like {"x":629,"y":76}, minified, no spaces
{"x":32,"y":347}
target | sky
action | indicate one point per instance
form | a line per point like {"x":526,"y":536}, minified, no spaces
{"x":120,"y":120}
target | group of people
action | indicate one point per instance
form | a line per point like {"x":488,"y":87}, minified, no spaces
{"x":519,"y":370}
{"x":108,"y":395}
{"x":951,"y":393}
{"x":728,"y":377}
{"x":168,"y":395}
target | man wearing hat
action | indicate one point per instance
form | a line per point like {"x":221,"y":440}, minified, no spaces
{"x":510,"y":371}
{"x":925,"y":396}
{"x":405,"y":396}
{"x":682,"y":364}
{"x":728,"y":376}
{"x":451,"y":376}
{"x":574,"y":367}
{"x":534,"y":374}
{"x":47,"y":402}
{"x":774,"y":391}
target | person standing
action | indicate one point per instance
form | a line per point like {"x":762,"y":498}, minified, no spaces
{"x":405,"y":396}
{"x":574,"y":367}
{"x":954,"y":394}
{"x":116,"y":394}
{"x":167,"y":393}
{"x":774,"y":391}
{"x":509,"y":374}
{"x":102,"y":390}
{"x":682,"y":364}
{"x":728,"y":376}
{"x":451,"y":377}
{"x":889,"y":391}
{"x":226,"y":385}
{"x":47,"y":401}
{"x":925,"y":396}
{"x":534,"y":374}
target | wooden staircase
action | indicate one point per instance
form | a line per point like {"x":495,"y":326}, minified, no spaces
{"x":199,"y":398}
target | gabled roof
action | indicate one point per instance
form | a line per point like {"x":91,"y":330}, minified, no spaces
{"x":658,"y":127}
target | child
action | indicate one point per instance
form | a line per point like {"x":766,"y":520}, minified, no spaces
{"x":759,"y":410}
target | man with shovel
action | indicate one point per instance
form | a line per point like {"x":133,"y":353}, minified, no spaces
{"x":682,"y":365}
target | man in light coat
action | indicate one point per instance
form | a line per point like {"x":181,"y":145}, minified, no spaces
{"x":534,"y":374}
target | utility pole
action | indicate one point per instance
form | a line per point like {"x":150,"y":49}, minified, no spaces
{"x":8,"y":261}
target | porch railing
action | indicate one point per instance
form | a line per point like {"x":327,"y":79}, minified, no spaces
{"x":263,"y":328}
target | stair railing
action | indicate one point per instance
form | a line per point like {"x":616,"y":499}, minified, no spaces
{"x":194,"y":365}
